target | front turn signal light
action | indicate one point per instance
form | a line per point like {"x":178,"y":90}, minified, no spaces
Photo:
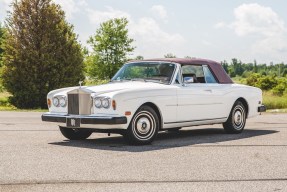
{"x":128,"y":113}
{"x":49,"y":103}
{"x":114,"y":105}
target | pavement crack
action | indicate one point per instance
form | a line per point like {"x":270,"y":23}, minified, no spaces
{"x":55,"y":182}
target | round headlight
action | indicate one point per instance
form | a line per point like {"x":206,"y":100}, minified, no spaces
{"x":62,"y":101}
{"x":98,"y":102}
{"x":55,"y":101}
{"x":106,"y":103}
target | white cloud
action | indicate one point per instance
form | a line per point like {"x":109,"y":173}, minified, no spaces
{"x":5,"y":3}
{"x":159,"y":11}
{"x":71,"y":6}
{"x":271,"y":48}
{"x":150,"y":39}
{"x":97,"y":17}
{"x":256,"y":19}
{"x":207,"y":43}
{"x":220,"y":25}
{"x":4,"y":7}
{"x":267,"y":27}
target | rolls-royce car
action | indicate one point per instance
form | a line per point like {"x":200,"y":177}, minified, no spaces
{"x":149,"y":96}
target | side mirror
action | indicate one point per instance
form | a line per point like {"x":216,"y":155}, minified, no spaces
{"x":188,"y":80}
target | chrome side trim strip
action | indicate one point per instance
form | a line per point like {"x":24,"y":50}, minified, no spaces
{"x":194,"y":120}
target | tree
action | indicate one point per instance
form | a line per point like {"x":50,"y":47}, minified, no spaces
{"x":2,"y":37}
{"x":2,"y":30}
{"x":225,"y":66}
{"x":237,"y":67}
{"x":139,"y":57}
{"x":111,"y":46}
{"x":255,"y":69}
{"x":41,"y":53}
{"x":169,"y":55}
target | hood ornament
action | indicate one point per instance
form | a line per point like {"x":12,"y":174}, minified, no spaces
{"x":80,"y":83}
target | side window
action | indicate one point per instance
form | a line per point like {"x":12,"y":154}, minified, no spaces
{"x":209,"y":78}
{"x":194,"y":71}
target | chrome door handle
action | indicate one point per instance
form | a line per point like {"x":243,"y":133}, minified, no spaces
{"x":209,"y":90}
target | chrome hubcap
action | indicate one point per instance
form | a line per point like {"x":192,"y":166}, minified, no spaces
{"x":143,"y":125}
{"x":239,"y":117}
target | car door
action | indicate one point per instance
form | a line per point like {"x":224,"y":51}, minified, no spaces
{"x":202,"y":99}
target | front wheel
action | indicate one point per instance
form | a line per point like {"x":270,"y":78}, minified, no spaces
{"x":143,"y":127}
{"x":236,"y":120}
{"x":75,"y":134}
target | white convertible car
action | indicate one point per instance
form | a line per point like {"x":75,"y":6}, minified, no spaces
{"x":145,"y":97}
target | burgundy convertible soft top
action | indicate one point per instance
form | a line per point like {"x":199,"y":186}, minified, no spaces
{"x":216,"y":67}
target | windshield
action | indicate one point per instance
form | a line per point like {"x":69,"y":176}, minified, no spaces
{"x":146,"y":71}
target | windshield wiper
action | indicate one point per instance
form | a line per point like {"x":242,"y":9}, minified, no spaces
{"x":128,"y":79}
{"x":154,"y":81}
{"x":139,"y":79}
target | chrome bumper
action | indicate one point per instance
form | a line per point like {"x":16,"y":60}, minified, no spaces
{"x":85,"y":119}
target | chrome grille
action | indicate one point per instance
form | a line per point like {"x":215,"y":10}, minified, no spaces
{"x":79,"y":102}
{"x":73,"y":104}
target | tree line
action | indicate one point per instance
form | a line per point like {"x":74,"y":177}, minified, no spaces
{"x":39,"y":52}
{"x":238,"y":68}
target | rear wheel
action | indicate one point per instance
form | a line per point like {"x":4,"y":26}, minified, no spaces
{"x":236,"y":120}
{"x":75,"y":134}
{"x":143,"y":127}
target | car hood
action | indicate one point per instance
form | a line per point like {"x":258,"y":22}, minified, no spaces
{"x":113,"y":87}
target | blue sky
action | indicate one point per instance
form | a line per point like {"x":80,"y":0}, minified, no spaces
{"x":217,"y":30}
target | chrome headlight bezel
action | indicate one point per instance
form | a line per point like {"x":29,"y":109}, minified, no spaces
{"x":59,"y":101}
{"x":63,"y":101}
{"x":102,"y":102}
{"x":56,"y":101}
{"x":98,"y":102}
{"x":106,"y":103}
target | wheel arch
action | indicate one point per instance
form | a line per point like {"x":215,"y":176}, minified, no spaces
{"x":245,"y":103}
{"x":157,"y":110}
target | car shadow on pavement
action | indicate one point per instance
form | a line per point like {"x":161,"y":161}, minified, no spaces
{"x":166,"y":140}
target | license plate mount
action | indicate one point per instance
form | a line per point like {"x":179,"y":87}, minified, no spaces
{"x":73,"y":122}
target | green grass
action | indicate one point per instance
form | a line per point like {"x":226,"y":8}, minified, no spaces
{"x":6,"y":106}
{"x":239,"y":80}
{"x":4,"y":103}
{"x":274,"y":102}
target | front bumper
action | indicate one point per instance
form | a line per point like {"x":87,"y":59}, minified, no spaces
{"x":85,"y":119}
{"x":261,"y":108}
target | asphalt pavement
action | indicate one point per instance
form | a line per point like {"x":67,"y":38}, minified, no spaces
{"x":34,"y":156}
